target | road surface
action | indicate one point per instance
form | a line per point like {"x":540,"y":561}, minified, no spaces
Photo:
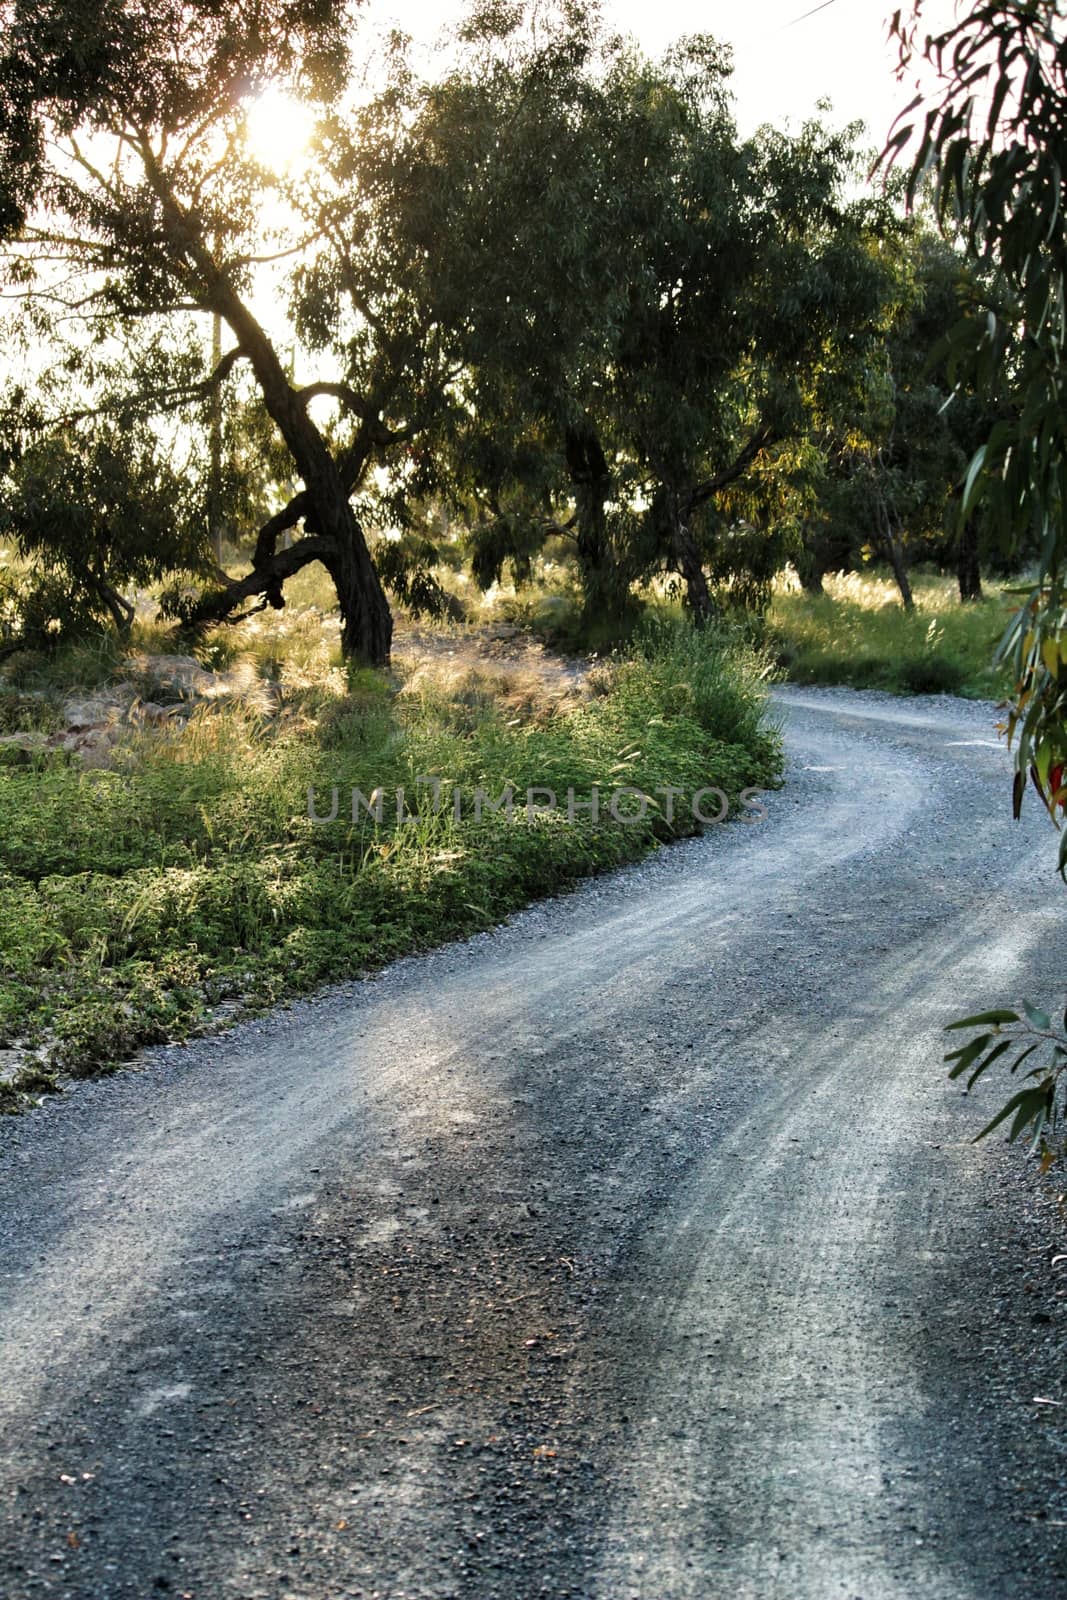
{"x":636,"y":1249}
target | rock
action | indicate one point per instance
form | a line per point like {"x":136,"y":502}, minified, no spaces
{"x":11,"y":1064}
{"x":90,"y":747}
{"x":96,"y":711}
{"x":154,"y":715}
{"x":182,"y":675}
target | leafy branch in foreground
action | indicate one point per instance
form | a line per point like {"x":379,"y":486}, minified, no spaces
{"x":993,"y":140}
{"x":1039,"y":1108}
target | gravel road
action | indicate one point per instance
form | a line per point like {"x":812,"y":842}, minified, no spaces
{"x":636,"y":1249}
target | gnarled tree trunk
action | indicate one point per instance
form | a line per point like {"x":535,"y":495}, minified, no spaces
{"x":367,"y":624}
{"x":366,"y":621}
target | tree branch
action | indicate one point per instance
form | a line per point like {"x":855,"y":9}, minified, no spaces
{"x":336,"y":391}
{"x":712,"y":486}
{"x":156,"y":400}
{"x":281,"y":522}
{"x":222,"y":371}
{"x":266,"y":579}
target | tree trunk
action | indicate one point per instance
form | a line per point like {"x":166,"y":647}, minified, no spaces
{"x":367,"y":624}
{"x":968,"y":566}
{"x":687,"y":559}
{"x":121,"y":610}
{"x":900,"y":573}
{"x":810,"y":570}
{"x":214,"y":513}
{"x":366,"y":621}
{"x":605,"y":589}
{"x":894,"y":551}
{"x":592,"y":526}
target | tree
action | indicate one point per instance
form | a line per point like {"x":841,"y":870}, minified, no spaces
{"x":139,"y":201}
{"x":995,"y":143}
{"x":642,"y":390}
{"x":95,"y":509}
{"x":757,"y":269}
{"x":66,"y":66}
{"x":521,"y":234}
{"x":894,"y":451}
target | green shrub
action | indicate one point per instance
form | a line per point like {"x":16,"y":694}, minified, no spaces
{"x":133,"y":901}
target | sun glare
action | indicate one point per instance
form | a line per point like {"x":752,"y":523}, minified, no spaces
{"x":278,"y":130}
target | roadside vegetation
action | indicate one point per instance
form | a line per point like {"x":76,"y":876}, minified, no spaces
{"x":857,"y":633}
{"x":178,"y":880}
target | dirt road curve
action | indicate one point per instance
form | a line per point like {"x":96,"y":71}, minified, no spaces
{"x":636,"y":1249}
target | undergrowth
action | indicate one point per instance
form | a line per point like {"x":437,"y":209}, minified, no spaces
{"x":137,"y":900}
{"x":857,"y":633}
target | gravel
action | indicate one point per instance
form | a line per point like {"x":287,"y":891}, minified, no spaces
{"x":637,"y":1248}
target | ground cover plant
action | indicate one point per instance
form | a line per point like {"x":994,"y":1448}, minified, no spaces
{"x":184,"y":879}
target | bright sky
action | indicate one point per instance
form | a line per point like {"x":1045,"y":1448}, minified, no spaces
{"x":784,"y":61}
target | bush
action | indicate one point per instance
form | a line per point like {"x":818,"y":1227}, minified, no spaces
{"x":133,"y":901}
{"x":28,"y":713}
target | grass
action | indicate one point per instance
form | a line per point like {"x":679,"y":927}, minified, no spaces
{"x":858,"y":633}
{"x":138,"y":900}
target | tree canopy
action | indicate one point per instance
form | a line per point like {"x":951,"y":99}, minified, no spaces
{"x":548,"y":287}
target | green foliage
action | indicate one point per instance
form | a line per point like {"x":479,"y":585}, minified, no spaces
{"x":891,"y":450}
{"x":407,"y":568}
{"x":64,"y":63}
{"x":28,"y":713}
{"x":1039,"y":1109}
{"x":93,"y":511}
{"x":134,"y":901}
{"x":172,"y":216}
{"x":253,"y":471}
{"x":636,"y":297}
{"x":995,"y":143}
{"x":857,"y":633}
